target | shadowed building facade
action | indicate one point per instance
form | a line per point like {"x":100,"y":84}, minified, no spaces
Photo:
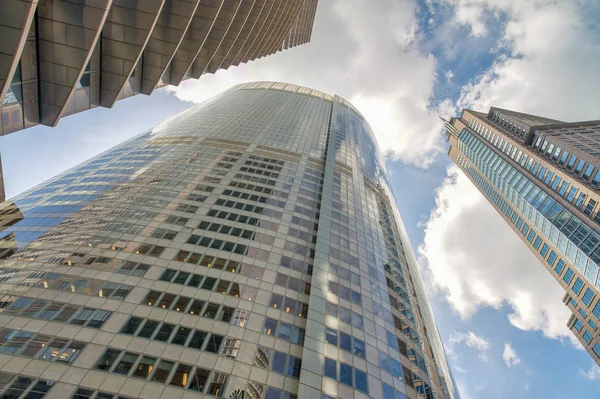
{"x":542,"y":176}
{"x":251,"y":242}
{"x":60,"y":57}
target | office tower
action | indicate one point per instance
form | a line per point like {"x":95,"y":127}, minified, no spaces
{"x":60,"y":57}
{"x":542,"y":176}
{"x":251,"y":242}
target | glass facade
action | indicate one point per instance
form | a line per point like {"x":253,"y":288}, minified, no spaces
{"x":251,"y":242}
{"x":544,"y":183}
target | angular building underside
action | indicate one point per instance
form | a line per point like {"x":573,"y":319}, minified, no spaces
{"x":252,"y":243}
{"x":542,"y":176}
{"x":60,"y":57}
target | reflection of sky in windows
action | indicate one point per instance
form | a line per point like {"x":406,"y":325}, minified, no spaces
{"x":48,"y":205}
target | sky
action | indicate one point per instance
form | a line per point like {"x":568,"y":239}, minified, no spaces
{"x":402,"y":63}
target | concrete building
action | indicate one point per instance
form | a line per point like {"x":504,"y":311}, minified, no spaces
{"x":542,"y":176}
{"x":60,"y":57}
{"x":251,"y":242}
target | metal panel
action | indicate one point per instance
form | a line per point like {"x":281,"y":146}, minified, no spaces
{"x":249,"y":26}
{"x":275,"y":42}
{"x":125,"y":34}
{"x":16,"y":17}
{"x":68,"y":32}
{"x":201,"y":25}
{"x":168,"y":33}
{"x":218,"y":31}
{"x":259,"y":30}
{"x":233,"y":32}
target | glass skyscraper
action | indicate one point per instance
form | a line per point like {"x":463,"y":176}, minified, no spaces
{"x":251,"y":242}
{"x":542,"y":176}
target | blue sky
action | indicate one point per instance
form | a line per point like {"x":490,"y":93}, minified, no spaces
{"x":403,"y":62}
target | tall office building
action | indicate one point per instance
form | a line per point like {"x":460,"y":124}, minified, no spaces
{"x":60,"y":57}
{"x":251,"y":242}
{"x":542,"y":176}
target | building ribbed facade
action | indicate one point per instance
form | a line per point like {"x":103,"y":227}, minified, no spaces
{"x":60,"y":57}
{"x":251,"y":242}
{"x":542,"y":176}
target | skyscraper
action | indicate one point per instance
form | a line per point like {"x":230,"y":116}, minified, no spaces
{"x":251,"y":242}
{"x":60,"y":57}
{"x":542,"y":176}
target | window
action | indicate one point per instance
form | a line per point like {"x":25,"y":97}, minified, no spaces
{"x":108,"y":359}
{"x":537,"y":243}
{"x":345,"y":374}
{"x":577,"y":325}
{"x":180,"y":378}
{"x":568,"y":276}
{"x":596,"y":349}
{"x":126,"y":363}
{"x":144,"y":367}
{"x":551,"y":258}
{"x":199,"y":380}
{"x":330,"y":370}
{"x":588,"y":297}
{"x":559,"y":267}
{"x":360,"y":380}
{"x":544,"y":250}
{"x":217,"y":385}
{"x":162,"y":371}
{"x":577,"y":286}
{"x":214,"y":343}
{"x":587,"y":337}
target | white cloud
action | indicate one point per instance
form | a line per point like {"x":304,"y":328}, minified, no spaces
{"x":593,"y":373}
{"x":552,"y":63}
{"x":475,"y":260}
{"x":510,"y":355}
{"x":366,"y":52}
{"x":470,"y":340}
{"x":551,"y":68}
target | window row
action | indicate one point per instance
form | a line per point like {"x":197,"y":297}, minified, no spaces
{"x":233,"y":217}
{"x":256,"y":390}
{"x":39,"y":346}
{"x":345,"y":293}
{"x":218,"y":244}
{"x":346,"y":374}
{"x":307,"y":224}
{"x":55,"y":311}
{"x":292,"y":283}
{"x":84,"y":393}
{"x":344,"y":273}
{"x":308,"y":237}
{"x":177,"y":335}
{"x":295,"y":264}
{"x":288,"y":305}
{"x":254,"y":198}
{"x":299,"y":249}
{"x":187,"y":305}
{"x":279,"y":362}
{"x":252,"y":187}
{"x":162,"y":371}
{"x":241,"y":206}
{"x":85,"y":286}
{"x":391,"y":365}
{"x":345,"y":342}
{"x":255,"y":179}
{"x":285,"y":331}
{"x":21,"y":387}
{"x":345,"y":315}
